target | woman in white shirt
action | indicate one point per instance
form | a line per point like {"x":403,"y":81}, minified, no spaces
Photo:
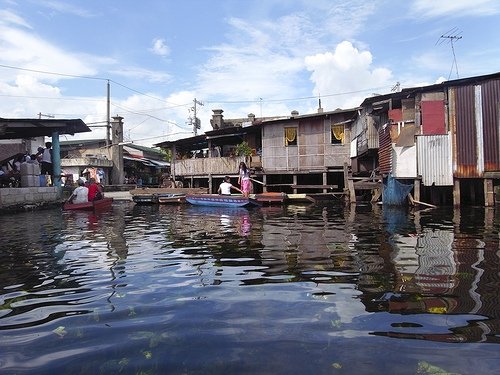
{"x":226,"y":186}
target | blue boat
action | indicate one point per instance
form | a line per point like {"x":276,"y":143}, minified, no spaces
{"x":221,"y":200}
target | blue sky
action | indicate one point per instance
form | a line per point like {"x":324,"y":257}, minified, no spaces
{"x":266,"y":57}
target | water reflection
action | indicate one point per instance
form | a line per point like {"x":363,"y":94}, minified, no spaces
{"x":251,"y":283}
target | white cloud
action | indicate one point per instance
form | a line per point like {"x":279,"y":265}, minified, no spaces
{"x":346,"y":70}
{"x":142,"y":74}
{"x":160,"y":48}
{"x":455,"y":8}
{"x":65,"y":7}
{"x":9,"y":18}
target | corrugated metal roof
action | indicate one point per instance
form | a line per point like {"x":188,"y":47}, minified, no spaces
{"x":434,"y":160}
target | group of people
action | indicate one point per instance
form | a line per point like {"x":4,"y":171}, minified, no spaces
{"x":86,"y":192}
{"x":243,"y":180}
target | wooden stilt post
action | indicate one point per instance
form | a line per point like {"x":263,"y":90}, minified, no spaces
{"x":489,"y":194}
{"x":456,"y":192}
{"x":416,"y":189}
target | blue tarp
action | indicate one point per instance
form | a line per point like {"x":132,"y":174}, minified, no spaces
{"x":395,"y":192}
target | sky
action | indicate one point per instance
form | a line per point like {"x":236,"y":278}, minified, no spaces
{"x":266,"y":57}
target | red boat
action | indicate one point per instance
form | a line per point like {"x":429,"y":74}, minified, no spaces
{"x":89,"y":206}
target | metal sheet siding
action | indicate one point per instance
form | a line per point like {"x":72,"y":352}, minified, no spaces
{"x":490,"y":93}
{"x":466,"y":152}
{"x":434,"y":160}
{"x":385,"y":150}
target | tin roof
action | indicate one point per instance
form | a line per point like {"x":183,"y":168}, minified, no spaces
{"x":30,"y":128}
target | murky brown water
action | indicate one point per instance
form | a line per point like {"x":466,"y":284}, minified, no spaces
{"x":273,"y":290}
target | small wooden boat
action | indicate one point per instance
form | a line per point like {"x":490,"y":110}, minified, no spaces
{"x":221,"y":200}
{"x":270,"y":197}
{"x":89,"y":206}
{"x":171,"y":198}
{"x":145,"y":198}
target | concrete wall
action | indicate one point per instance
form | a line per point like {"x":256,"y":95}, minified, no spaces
{"x":12,"y":198}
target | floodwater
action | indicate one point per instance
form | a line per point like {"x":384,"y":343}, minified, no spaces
{"x":319,"y":289}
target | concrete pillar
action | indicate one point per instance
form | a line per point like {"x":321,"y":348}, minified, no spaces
{"x":172,"y":162}
{"x":56,"y":159}
{"x":325,"y":181}
{"x":117,"y":174}
{"x":295,"y":183}
{"x":264,"y":180}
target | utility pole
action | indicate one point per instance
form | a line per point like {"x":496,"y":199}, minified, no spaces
{"x":196,"y":121}
{"x":108,"y":117}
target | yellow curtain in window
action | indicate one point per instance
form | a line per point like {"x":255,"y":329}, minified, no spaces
{"x":338,"y":132}
{"x":290,"y":135}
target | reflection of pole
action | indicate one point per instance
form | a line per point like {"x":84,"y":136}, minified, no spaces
{"x":117,"y":175}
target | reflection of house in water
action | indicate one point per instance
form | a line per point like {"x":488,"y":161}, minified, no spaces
{"x":424,"y":263}
{"x":444,"y":270}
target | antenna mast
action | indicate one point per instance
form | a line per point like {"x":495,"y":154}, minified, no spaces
{"x":452,"y":36}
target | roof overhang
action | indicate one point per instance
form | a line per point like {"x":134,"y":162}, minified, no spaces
{"x":31,"y":128}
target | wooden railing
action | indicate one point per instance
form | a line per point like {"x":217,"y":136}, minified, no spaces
{"x":206,"y":166}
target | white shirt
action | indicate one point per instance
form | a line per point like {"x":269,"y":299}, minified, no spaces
{"x":225,"y":188}
{"x":46,"y":157}
{"x":81,"y":194}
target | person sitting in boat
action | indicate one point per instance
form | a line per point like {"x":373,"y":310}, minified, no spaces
{"x":226,"y":187}
{"x":95,"y":191}
{"x":80,"y":194}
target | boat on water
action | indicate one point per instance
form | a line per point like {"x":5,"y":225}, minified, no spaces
{"x":221,"y":200}
{"x":163,"y":195}
{"x":145,"y":198}
{"x":270,"y":197}
{"x":89,"y":206}
{"x":168,"y":198}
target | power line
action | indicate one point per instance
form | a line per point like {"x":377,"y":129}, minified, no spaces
{"x":296,"y":99}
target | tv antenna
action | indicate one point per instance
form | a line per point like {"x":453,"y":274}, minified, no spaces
{"x":451,"y":36}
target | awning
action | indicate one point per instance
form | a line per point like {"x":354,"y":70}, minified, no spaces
{"x":148,"y":162}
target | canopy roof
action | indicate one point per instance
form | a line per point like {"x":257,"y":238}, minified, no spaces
{"x":30,"y":128}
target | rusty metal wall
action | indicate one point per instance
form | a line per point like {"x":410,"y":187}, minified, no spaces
{"x":466,"y":146}
{"x":490,"y":94}
{"x":385,"y":150}
{"x":476,"y":123}
{"x":434,"y":160}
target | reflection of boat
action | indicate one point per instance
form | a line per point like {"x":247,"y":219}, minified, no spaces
{"x":216,"y":211}
{"x":221,"y":200}
{"x":94,"y":205}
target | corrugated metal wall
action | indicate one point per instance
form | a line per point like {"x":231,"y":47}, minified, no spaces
{"x":476,"y":111}
{"x":466,"y":152}
{"x":385,"y":150}
{"x":434,"y":160}
{"x":490,"y":93}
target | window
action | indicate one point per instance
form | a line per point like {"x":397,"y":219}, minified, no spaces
{"x":337,"y":134}
{"x":290,"y":136}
